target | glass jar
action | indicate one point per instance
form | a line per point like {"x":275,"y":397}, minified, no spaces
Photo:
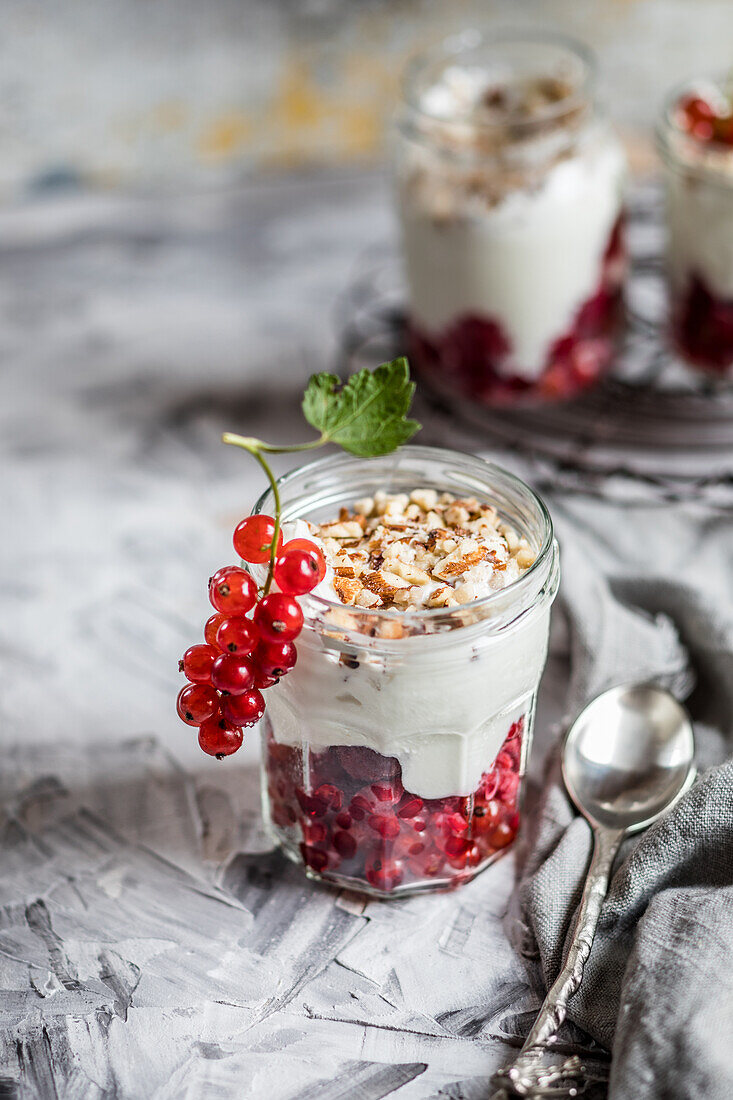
{"x":393,"y":753}
{"x":510,"y":198}
{"x":699,"y":193}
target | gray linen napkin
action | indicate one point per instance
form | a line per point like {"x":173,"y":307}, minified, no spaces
{"x":647,"y":593}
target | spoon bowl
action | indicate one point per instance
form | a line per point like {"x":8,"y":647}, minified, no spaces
{"x":628,"y":756}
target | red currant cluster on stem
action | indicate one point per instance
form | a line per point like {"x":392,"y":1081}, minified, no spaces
{"x":249,"y":638}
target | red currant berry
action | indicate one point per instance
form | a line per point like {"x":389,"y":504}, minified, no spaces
{"x":232,"y":675}
{"x":276,"y":658}
{"x":697,"y":116}
{"x":279,"y":618}
{"x":244,"y":709}
{"x":232,"y":590}
{"x":212,"y":625}
{"x":310,"y":548}
{"x":218,"y":739}
{"x":197,"y":663}
{"x":253,"y":539}
{"x":297,"y":571}
{"x":196,"y":703}
{"x":264,"y":680}
{"x":237,"y":635}
{"x":502,"y":835}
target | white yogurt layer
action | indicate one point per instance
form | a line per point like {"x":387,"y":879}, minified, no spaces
{"x":442,"y":703}
{"x":700,"y":224}
{"x":526,"y":256}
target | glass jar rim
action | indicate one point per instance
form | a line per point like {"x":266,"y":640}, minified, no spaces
{"x":455,"y":45}
{"x":534,"y":577}
{"x":683,"y":151}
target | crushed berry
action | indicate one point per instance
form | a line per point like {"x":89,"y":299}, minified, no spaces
{"x":702,"y":326}
{"x":361,"y":826}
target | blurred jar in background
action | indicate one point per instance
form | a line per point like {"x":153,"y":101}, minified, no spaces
{"x":695,"y":139}
{"x":510,"y":193}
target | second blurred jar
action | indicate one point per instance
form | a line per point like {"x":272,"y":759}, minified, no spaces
{"x":695,"y":139}
{"x":510,"y":193}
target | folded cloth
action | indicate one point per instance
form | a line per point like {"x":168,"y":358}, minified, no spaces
{"x":647,"y":594}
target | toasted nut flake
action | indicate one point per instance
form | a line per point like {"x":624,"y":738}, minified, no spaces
{"x":347,"y":588}
{"x":465,"y":593}
{"x":456,"y":564}
{"x":484,"y":527}
{"x":330,"y":546}
{"x":349,"y":530}
{"x":366,"y":598}
{"x":396,"y":505}
{"x":457,"y":514}
{"x":511,"y":537}
{"x":498,"y":564}
{"x":365,"y":506}
{"x":524,"y":557}
{"x":375,"y":582}
{"x":409,"y":572}
{"x":390,"y":628}
{"x":341,"y":618}
{"x":440,"y":596}
{"x":437,"y":535}
{"x":424,"y":498}
{"x":393,"y":579}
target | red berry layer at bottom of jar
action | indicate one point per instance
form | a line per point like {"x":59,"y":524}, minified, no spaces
{"x":474,"y":351}
{"x":702,"y":325}
{"x":352,"y":818}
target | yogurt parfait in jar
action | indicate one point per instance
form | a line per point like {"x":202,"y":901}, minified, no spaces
{"x":695,"y":138}
{"x":393,"y":752}
{"x":510,"y":198}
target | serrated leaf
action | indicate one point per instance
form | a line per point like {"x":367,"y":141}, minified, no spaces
{"x":367,"y":416}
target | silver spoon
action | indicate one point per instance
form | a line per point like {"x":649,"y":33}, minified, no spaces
{"x":626,"y":759}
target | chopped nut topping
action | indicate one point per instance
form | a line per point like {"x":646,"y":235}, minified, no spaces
{"x":424,"y":550}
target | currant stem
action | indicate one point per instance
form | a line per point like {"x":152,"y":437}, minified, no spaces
{"x":255,"y":447}
{"x":249,"y":443}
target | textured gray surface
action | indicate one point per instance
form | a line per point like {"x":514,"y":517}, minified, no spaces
{"x":131,"y":90}
{"x":149,"y":945}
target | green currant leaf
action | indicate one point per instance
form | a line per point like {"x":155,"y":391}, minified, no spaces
{"x":367,"y":415}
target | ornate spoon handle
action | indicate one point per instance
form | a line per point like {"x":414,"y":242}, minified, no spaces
{"x":526,"y":1075}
